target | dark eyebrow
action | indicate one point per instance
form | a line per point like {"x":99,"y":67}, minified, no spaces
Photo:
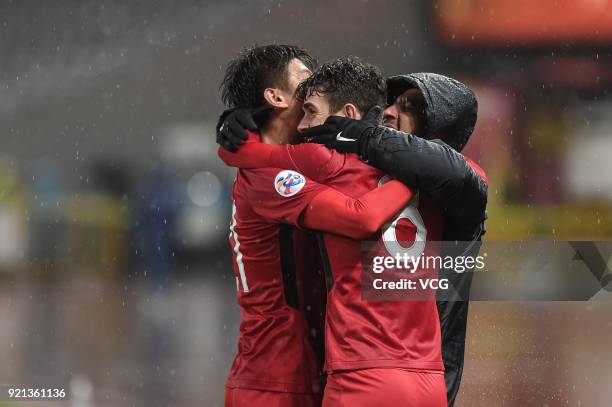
{"x":309,"y":105}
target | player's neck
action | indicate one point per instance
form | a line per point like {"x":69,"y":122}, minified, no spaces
{"x":276,"y":132}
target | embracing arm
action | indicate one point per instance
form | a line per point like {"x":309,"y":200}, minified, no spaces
{"x":333,"y":212}
{"x":312,"y":160}
{"x":317,"y":206}
{"x":435,"y":169}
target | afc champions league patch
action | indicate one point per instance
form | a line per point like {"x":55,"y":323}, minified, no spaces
{"x":288,"y":183}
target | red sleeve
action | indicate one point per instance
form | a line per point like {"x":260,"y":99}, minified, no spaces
{"x":334,"y":212}
{"x":315,"y":161}
{"x":279,"y":196}
{"x":285,"y":196}
{"x":478,"y":170}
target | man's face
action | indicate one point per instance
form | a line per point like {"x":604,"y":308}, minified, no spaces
{"x":297,"y":72}
{"x":316,"y":110}
{"x":407,"y":113}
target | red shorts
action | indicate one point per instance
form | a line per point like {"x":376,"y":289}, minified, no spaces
{"x":260,"y":398}
{"x":385,"y":387}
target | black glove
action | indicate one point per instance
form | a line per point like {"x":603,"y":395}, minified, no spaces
{"x":346,"y":135}
{"x":232,"y":125}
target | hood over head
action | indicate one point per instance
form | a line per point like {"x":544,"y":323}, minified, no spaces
{"x":451,"y":107}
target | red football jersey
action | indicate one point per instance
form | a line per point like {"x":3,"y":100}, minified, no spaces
{"x":366,"y":334}
{"x":274,"y":349}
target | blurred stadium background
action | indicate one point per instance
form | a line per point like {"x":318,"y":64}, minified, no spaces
{"x":115,"y":275}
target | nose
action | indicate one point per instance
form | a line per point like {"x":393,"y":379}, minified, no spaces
{"x":390,"y":116}
{"x":391,"y":112}
{"x":303,"y":125}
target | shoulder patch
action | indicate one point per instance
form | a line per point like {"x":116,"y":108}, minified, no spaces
{"x":288,"y":183}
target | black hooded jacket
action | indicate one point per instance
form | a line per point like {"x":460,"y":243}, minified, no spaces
{"x":439,"y":171}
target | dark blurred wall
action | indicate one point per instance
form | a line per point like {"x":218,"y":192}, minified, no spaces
{"x":102,"y":78}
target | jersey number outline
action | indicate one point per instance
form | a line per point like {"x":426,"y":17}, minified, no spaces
{"x":236,"y":247}
{"x":389,"y":234}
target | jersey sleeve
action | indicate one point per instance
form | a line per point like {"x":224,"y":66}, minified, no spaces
{"x":314,"y":161}
{"x":286,"y":196}
{"x":280,"y":195}
{"x":478,"y":170}
{"x":357,"y":218}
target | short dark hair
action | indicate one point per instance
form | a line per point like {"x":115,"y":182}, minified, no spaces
{"x":347,"y":80}
{"x":257,"y":68}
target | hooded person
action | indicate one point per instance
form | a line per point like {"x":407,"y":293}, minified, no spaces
{"x":449,"y":107}
{"x":439,"y":108}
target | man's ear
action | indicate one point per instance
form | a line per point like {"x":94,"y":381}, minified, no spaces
{"x":351,"y":111}
{"x":276,"y":98}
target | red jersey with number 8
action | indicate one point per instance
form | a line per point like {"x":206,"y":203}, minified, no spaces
{"x":363,"y":334}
